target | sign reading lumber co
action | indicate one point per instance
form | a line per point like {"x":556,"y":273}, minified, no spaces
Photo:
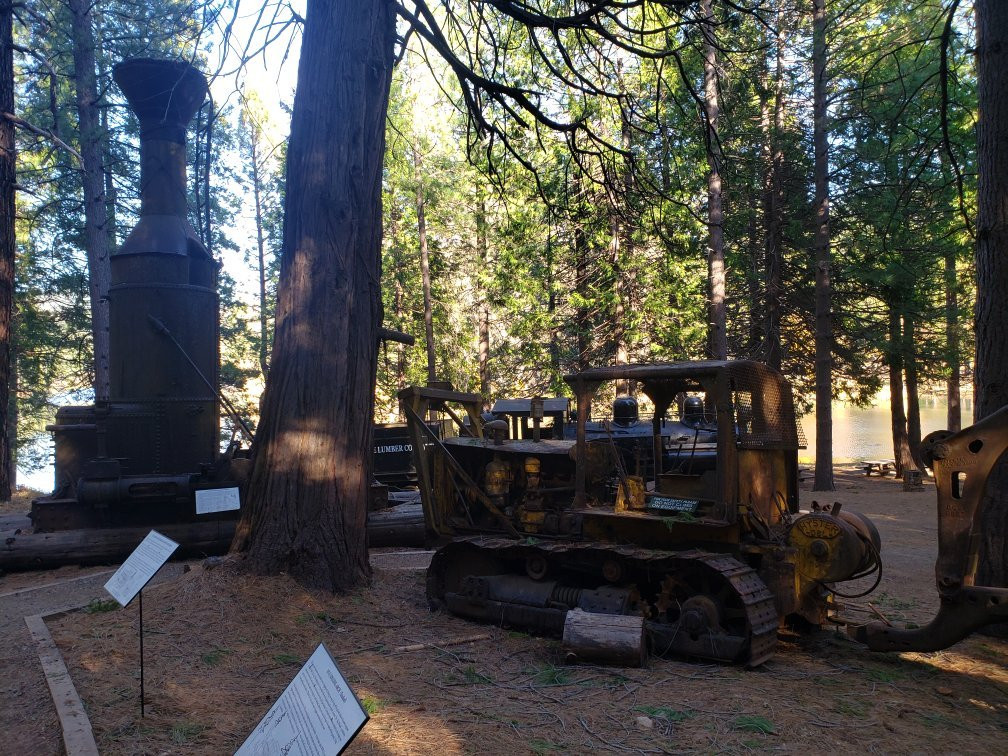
{"x":140,"y":567}
{"x":210,"y":500}
{"x":318,"y":714}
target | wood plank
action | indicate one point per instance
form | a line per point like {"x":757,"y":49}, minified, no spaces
{"x":78,"y":737}
{"x":67,"y":581}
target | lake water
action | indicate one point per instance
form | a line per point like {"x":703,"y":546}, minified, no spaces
{"x":861,"y":433}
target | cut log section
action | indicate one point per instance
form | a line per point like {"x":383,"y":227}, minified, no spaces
{"x":604,"y":638}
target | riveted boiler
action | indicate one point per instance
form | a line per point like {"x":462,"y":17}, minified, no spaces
{"x":139,"y":456}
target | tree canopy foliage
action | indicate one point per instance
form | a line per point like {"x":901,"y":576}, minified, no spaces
{"x":556,"y":157}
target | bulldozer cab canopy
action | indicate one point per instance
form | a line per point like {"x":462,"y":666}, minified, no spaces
{"x":751,"y":401}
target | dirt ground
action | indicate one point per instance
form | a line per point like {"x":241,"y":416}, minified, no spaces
{"x":220,"y":647}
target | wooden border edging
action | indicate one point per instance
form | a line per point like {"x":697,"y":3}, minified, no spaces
{"x":56,"y":583}
{"x":78,"y":738}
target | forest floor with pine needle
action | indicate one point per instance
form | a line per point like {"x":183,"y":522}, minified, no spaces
{"x":220,"y":646}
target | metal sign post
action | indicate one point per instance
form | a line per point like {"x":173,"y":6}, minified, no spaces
{"x":130,"y":579}
{"x":140,"y":594}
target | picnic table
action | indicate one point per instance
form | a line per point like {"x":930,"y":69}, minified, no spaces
{"x":881,"y":466}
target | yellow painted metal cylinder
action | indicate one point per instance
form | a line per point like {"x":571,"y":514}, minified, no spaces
{"x":829,"y":549}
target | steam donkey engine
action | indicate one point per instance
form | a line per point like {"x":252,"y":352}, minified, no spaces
{"x":139,"y":457}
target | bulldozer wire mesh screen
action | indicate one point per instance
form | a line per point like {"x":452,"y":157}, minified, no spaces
{"x":764,"y":415}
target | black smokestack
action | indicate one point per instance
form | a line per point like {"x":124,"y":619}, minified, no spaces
{"x":162,"y":273}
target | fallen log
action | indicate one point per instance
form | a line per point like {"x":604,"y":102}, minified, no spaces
{"x":21,"y":549}
{"x":401,"y":525}
{"x":37,"y":551}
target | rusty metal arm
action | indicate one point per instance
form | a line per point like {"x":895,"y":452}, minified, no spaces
{"x":467,"y":483}
{"x":962,"y":463}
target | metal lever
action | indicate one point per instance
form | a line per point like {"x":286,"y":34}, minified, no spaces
{"x":162,"y":329}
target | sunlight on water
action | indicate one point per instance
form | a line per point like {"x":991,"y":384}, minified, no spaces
{"x":861,"y":433}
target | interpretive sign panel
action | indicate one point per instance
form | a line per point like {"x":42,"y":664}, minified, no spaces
{"x":212,"y":500}
{"x":318,"y":714}
{"x":140,"y":567}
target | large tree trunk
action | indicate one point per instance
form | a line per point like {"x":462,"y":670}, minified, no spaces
{"x":716,"y":318}
{"x":990,"y":382}
{"x":754,"y":324}
{"x":401,"y":357}
{"x":111,"y":193}
{"x":894,"y":358}
{"x":308,"y":491}
{"x":582,"y":317}
{"x":428,"y":306}
{"x":823,"y":293}
{"x":954,"y":421}
{"x":96,"y":226}
{"x":12,"y":409}
{"x":621,"y":354}
{"x":759,"y":202}
{"x":551,"y":308}
{"x":254,"y":134}
{"x":401,"y":362}
{"x":8,"y":243}
{"x":773,"y":210}
{"x":912,"y":387}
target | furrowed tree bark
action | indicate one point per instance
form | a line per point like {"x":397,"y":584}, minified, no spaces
{"x":823,"y":291}
{"x":96,"y":225}
{"x":717,"y":321}
{"x":991,"y":374}
{"x":8,"y":244}
{"x":308,"y":490}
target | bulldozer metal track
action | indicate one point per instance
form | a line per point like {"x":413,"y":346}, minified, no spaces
{"x":586,"y":559}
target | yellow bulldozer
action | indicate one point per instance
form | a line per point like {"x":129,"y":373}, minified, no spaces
{"x":688,"y":520}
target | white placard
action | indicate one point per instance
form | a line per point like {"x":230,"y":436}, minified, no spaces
{"x":317,"y":715}
{"x":209,"y":500}
{"x":140,"y":567}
